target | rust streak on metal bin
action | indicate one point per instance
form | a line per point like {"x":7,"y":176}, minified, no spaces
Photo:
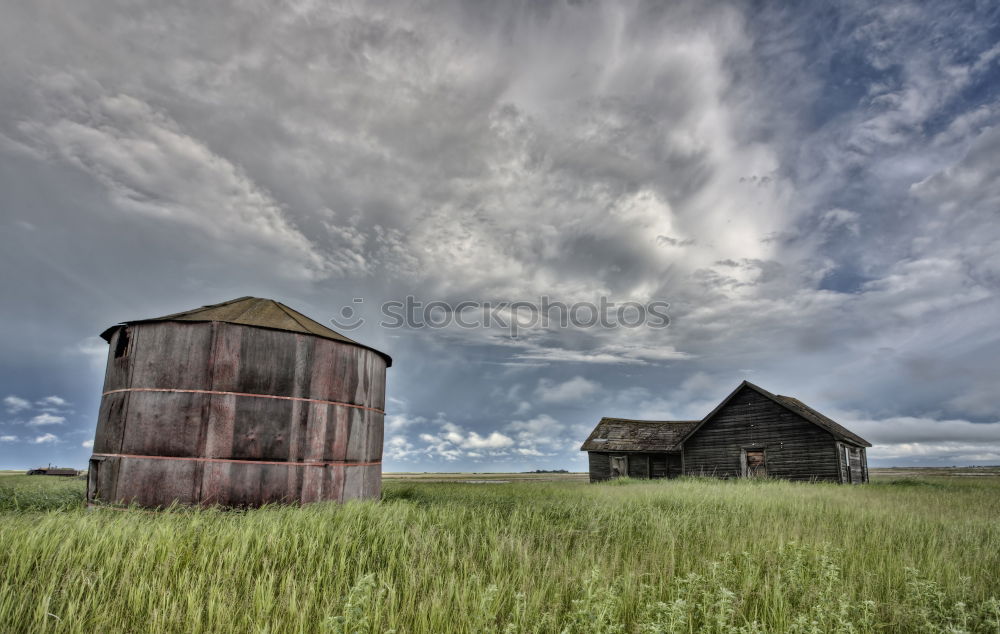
{"x":242,"y":403}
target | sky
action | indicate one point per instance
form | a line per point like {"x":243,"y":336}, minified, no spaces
{"x":814,"y":189}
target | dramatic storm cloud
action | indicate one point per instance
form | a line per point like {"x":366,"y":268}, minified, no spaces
{"x":815,"y":193}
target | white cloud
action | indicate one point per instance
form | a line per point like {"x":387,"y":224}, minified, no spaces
{"x":398,"y":422}
{"x":452,"y":442}
{"x":95,"y":352}
{"x":494,"y":440}
{"x":53,"y":405}
{"x":8,"y":438}
{"x":87,"y":443}
{"x":575,"y":356}
{"x":611,"y":354}
{"x":15,"y":404}
{"x":47,"y":419}
{"x":399,"y":448}
{"x":649,"y":352}
{"x":45,"y":439}
{"x":459,"y":437}
{"x":544,"y":431}
{"x":575,"y":389}
{"x":529,"y":452}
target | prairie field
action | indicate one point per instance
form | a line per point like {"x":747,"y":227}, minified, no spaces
{"x":498,"y":553}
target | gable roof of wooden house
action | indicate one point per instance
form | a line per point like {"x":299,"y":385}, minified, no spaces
{"x":796,"y":407}
{"x":624,"y":434}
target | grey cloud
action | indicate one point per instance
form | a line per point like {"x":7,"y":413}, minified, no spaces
{"x":150,"y":167}
{"x":903,"y":430}
{"x":674,"y":242}
{"x":575,"y":389}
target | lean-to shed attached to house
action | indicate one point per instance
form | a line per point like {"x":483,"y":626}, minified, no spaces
{"x":636,"y":448}
{"x":751,"y":433}
{"x":239,"y":404}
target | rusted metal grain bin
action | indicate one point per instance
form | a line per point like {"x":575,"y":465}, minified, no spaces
{"x":239,"y":404}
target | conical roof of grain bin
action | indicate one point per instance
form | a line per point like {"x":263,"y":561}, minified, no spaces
{"x":241,"y":403}
{"x":253,"y":311}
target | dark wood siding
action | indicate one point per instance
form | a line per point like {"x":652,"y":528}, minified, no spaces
{"x":795,"y":449}
{"x":600,"y":466}
{"x":665,"y":465}
{"x":858,"y":469}
{"x":658,"y":466}
{"x":640,"y":465}
{"x":853,"y":463}
{"x":842,"y":464}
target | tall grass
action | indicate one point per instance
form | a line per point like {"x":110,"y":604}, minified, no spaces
{"x":667,"y":556}
{"x":39,"y":493}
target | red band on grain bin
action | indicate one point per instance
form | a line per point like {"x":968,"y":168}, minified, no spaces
{"x":325,"y":463}
{"x":218,"y":393}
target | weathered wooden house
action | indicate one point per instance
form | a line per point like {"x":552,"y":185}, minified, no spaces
{"x":751,"y":433}
{"x":65,"y":472}
{"x":241,"y":403}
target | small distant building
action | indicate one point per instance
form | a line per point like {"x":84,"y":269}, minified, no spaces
{"x":751,"y":433}
{"x":54,"y":471}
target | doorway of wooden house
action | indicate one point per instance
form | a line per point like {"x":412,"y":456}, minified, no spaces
{"x":755,"y":465}
{"x":619,"y":466}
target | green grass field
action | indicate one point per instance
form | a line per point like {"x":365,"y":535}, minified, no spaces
{"x":898,"y":555}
